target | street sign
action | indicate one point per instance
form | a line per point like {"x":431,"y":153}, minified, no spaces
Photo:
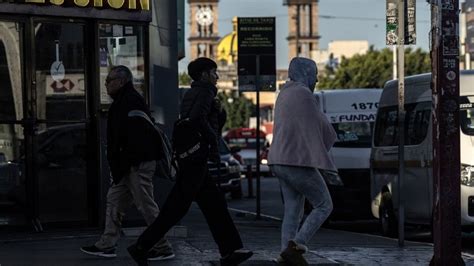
{"x":392,"y":22}
{"x":256,"y":41}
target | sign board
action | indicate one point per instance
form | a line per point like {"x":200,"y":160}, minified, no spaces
{"x":105,"y":4}
{"x":256,"y":54}
{"x":131,"y":10}
{"x":392,"y":22}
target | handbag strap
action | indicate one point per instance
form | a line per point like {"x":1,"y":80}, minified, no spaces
{"x":140,"y":113}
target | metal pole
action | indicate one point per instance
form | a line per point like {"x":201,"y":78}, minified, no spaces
{"x":446,"y":135}
{"x":257,"y":89}
{"x":395,"y":63}
{"x":401,"y":119}
{"x":297,"y":30}
{"x":250,"y":181}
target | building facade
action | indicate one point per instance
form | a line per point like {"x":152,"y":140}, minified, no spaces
{"x":54,"y":58}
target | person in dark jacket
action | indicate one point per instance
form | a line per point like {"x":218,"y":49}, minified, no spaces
{"x":193,"y":181}
{"x":132,"y":150}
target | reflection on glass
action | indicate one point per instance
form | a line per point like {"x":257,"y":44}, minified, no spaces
{"x":121,"y":45}
{"x":12,"y":179}
{"x":61,"y":166}
{"x":60,"y":71}
{"x":10,"y":72}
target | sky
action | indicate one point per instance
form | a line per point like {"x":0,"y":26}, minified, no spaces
{"x":338,"y":20}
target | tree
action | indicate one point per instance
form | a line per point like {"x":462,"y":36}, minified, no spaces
{"x":184,"y":79}
{"x":373,"y":69}
{"x":239,"y":109}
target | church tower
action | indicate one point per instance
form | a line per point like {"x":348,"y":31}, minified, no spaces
{"x":303,"y":27}
{"x":203,"y":29}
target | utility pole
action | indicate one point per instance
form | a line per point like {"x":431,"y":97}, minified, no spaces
{"x":401,"y":120}
{"x":446,"y":143}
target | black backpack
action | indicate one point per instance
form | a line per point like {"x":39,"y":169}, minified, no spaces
{"x":165,"y":165}
{"x":186,"y":139}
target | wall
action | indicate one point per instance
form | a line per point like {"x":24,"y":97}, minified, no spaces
{"x":164,"y":63}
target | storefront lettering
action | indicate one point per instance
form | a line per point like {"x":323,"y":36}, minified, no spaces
{"x":115,"y":4}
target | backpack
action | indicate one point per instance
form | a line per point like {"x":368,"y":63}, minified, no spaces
{"x":165,"y":166}
{"x":186,"y":139}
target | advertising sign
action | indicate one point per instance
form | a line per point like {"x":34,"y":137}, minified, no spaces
{"x":114,"y":4}
{"x":392,"y":22}
{"x":132,"y":10}
{"x":256,"y":54}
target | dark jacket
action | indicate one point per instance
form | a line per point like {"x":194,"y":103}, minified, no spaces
{"x":130,"y":140}
{"x":200,"y":106}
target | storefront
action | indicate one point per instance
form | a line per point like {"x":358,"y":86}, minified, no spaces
{"x":54,"y":57}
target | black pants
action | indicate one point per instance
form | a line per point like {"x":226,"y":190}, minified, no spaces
{"x":194,"y":183}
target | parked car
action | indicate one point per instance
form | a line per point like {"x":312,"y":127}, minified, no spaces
{"x":227,"y":174}
{"x":244,"y":142}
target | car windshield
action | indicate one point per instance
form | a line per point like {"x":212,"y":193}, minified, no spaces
{"x":467,"y":117}
{"x":353,"y":134}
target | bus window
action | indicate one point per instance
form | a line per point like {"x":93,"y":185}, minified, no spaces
{"x":353,"y":134}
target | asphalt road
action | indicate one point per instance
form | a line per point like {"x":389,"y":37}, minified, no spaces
{"x":271,"y":204}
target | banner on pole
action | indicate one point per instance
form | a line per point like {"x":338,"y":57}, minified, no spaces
{"x":391,"y":36}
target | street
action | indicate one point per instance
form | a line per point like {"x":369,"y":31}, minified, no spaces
{"x":271,"y":205}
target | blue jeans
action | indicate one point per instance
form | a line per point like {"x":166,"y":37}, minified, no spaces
{"x":298,"y":183}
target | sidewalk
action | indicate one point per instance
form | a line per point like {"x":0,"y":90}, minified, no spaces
{"x":196,"y":247}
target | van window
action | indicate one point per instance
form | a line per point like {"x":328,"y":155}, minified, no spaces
{"x":353,"y":135}
{"x":417,"y":120}
{"x":386,"y":127}
{"x":467,"y":116}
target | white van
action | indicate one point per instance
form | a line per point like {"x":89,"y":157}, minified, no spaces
{"x":352,"y":113}
{"x":418,"y":181}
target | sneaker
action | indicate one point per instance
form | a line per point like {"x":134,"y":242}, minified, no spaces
{"x":236,"y":257}
{"x":160,"y":255}
{"x":138,"y":255}
{"x":93,"y":250}
{"x":293,"y":254}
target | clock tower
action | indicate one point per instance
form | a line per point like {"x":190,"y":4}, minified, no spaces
{"x":203,"y":29}
{"x":303,"y":24}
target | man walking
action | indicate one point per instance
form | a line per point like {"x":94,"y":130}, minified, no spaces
{"x":302,"y":138}
{"x":193,"y":181}
{"x":132,"y":150}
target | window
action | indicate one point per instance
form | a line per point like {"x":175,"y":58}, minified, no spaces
{"x":466,"y":112}
{"x":386,"y":127}
{"x":417,"y":120}
{"x":356,"y":135}
{"x":122,"y":45}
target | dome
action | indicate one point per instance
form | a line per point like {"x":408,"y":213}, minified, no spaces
{"x":227,"y":46}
